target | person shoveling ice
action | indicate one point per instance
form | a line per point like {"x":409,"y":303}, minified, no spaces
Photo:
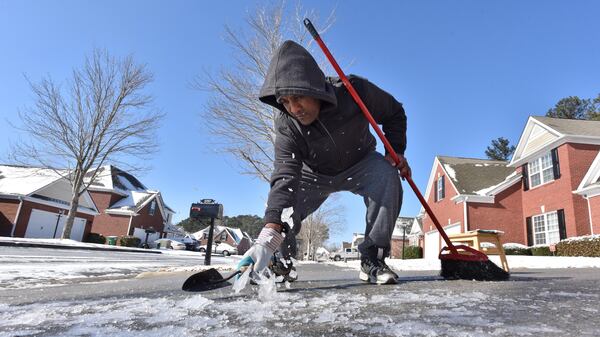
{"x":323,"y":145}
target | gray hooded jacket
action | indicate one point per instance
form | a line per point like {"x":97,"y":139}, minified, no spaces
{"x":338,"y":139}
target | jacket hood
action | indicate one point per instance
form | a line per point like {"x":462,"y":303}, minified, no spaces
{"x":293,"y":71}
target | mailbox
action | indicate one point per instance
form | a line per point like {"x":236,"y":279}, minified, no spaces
{"x":206,"y":209}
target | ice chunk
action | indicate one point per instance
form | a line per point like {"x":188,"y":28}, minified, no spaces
{"x":241,"y":282}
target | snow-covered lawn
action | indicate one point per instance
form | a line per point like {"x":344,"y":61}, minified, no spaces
{"x":514,"y":262}
{"x":64,"y":242}
{"x":36,"y":270}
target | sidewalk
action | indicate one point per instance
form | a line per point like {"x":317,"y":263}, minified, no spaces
{"x":69,"y":244}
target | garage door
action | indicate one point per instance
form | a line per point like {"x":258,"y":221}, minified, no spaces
{"x":47,"y":225}
{"x":43,"y":225}
{"x":78,"y":229}
{"x":432,"y":245}
{"x":432,"y":241}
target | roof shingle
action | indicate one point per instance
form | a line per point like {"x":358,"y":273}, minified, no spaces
{"x":471,"y":175}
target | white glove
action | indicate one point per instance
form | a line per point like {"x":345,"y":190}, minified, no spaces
{"x":259,"y":255}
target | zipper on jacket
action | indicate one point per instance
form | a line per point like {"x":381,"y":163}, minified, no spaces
{"x":339,"y":159}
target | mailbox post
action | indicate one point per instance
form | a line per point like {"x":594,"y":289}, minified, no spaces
{"x":204,"y":210}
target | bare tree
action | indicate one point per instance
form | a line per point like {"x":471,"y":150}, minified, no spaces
{"x":103,"y":116}
{"x":243,"y":126}
{"x":317,"y":227}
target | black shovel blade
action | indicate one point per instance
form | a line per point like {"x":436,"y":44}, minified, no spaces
{"x":205,"y":280}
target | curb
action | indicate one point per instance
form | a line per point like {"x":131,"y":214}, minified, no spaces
{"x":47,"y":245}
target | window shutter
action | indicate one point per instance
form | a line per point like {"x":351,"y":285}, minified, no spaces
{"x":562,"y":229}
{"x":529,"y":232}
{"x":525,"y":177}
{"x":443,"y":187}
{"x":435,"y":191}
{"x":555,"y":163}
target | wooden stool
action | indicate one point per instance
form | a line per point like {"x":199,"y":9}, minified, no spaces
{"x":476,"y":237}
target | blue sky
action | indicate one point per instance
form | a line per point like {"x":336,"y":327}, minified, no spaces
{"x":466,"y":71}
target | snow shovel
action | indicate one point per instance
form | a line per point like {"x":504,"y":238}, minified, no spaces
{"x":469,"y":263}
{"x":207,"y":280}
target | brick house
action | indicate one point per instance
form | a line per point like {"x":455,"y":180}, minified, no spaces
{"x":589,"y":189}
{"x":400,"y":236}
{"x":555,"y":155}
{"x":233,"y":236}
{"x":547,"y":192}
{"x":34,"y":203}
{"x":127,"y":207}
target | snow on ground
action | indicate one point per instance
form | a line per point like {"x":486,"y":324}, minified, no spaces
{"x":64,"y":242}
{"x":36,"y":271}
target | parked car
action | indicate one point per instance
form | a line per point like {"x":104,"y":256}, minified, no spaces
{"x":169,"y":244}
{"x":345,"y":254}
{"x":191,"y":243}
{"x":221,"y":248}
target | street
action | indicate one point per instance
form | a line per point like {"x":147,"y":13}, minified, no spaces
{"x":327,"y":300}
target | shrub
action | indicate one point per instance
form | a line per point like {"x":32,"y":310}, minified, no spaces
{"x":581,"y":246}
{"x":95,"y":238}
{"x":541,"y":251}
{"x":516,"y":249}
{"x":129,"y":241}
{"x":413,"y":252}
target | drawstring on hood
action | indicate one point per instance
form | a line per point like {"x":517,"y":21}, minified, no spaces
{"x":293,"y":71}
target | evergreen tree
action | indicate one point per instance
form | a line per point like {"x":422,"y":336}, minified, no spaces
{"x":500,"y":149}
{"x":251,"y":224}
{"x":192,"y":225}
{"x":573,"y":107}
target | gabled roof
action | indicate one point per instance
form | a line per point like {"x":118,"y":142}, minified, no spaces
{"x":135,"y":201}
{"x":544,"y":133}
{"x":112,"y":179}
{"x":572,"y":127}
{"x":477,"y":180}
{"x":417,"y":226}
{"x":22,"y":180}
{"x":590,"y":184}
{"x":42,"y":185}
{"x":400,"y":222}
{"x":472,"y":176}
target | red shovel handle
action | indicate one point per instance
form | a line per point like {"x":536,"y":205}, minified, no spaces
{"x":369,"y":117}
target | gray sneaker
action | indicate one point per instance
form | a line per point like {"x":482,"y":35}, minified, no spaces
{"x":374,"y":270}
{"x":386,"y":267}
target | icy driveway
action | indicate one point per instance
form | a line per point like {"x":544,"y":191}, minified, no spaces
{"x":535,"y":303}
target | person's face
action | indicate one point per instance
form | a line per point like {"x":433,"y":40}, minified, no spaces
{"x":305,"y":109}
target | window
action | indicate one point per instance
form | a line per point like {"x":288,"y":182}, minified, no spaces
{"x":440,"y":189}
{"x":223,"y":236}
{"x":545,"y":229}
{"x":204,"y":236}
{"x":152,"y":207}
{"x":541,"y":170}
